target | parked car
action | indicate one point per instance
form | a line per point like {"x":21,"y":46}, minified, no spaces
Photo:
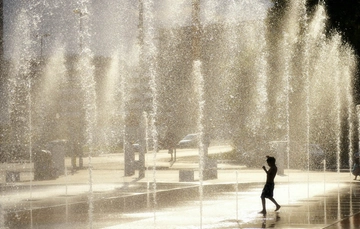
{"x":136,"y":145}
{"x":189,"y":141}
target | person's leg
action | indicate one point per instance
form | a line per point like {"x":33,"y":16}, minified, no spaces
{"x":171,"y":154}
{"x":81,"y":161}
{"x":263,"y":206}
{"x":264,"y":194}
{"x":277,"y":205}
{"x":73,"y":162}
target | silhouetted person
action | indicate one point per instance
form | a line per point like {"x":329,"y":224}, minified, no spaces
{"x":268,"y":190}
{"x":356,"y":167}
{"x":76,"y":152}
{"x":171,"y":144}
{"x":206,"y":144}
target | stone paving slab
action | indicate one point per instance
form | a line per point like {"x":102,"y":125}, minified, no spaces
{"x":310,"y":199}
{"x":229,"y":209}
{"x":303,"y":196}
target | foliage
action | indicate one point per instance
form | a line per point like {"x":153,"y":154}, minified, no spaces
{"x":344,"y":17}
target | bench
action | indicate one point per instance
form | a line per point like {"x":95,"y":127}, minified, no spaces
{"x":16,"y":172}
{"x":12,"y":176}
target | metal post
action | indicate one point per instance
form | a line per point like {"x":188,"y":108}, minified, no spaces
{"x":196,"y":29}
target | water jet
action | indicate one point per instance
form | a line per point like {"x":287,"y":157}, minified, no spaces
{"x":115,"y":76}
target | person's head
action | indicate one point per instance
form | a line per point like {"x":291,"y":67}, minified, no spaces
{"x":270,"y":160}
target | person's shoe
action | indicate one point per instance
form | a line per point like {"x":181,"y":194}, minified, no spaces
{"x":277,"y":208}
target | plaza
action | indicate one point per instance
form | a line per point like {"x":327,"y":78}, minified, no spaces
{"x":96,"y":98}
{"x":309,"y":199}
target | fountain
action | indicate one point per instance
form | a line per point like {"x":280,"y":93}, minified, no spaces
{"x":97,"y":79}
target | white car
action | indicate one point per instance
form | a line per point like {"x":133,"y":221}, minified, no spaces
{"x":189,"y":141}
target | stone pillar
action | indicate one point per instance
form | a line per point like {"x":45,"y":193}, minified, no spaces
{"x":143,"y":146}
{"x":129,"y":159}
{"x":58,"y":149}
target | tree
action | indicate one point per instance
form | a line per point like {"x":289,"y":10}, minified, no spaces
{"x":344,"y":17}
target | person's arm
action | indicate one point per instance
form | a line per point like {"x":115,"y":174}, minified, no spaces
{"x":264,"y":168}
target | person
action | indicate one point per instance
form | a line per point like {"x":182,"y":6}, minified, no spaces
{"x":356,"y":167}
{"x":76,"y":152}
{"x":206,"y":144}
{"x":268,"y":190}
{"x":171,"y":145}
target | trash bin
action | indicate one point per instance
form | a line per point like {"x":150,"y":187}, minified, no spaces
{"x":44,"y":166}
{"x":210,"y":169}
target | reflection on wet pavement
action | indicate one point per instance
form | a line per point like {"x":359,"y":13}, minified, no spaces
{"x":303,"y":206}
{"x":219,"y":211}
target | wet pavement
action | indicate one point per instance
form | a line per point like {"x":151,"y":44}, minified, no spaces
{"x":314,"y":199}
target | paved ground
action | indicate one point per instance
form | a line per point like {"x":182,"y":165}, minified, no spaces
{"x":314,"y":199}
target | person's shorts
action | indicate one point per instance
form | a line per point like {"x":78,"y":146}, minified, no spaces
{"x":268,"y":190}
